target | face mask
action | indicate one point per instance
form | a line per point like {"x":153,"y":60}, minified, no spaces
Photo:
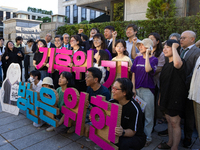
{"x":31,"y":79}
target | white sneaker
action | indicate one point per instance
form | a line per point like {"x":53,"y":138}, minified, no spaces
{"x":38,"y":125}
{"x":71,"y":130}
{"x":49,"y":129}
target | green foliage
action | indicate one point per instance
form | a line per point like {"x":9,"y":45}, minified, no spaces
{"x":39,"y":11}
{"x":118,"y":12}
{"x":45,"y":19}
{"x":161,"y":9}
{"x":164,"y":27}
{"x":84,"y":22}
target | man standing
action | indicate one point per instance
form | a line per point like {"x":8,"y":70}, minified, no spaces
{"x":66,"y":41}
{"x":131,"y":32}
{"x":190,"y":54}
{"x":108,"y":30}
{"x":48,"y":39}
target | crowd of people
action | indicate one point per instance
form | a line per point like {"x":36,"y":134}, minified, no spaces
{"x":160,"y":74}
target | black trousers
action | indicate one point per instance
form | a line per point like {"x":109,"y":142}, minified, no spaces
{"x":189,"y":119}
{"x":131,"y":143}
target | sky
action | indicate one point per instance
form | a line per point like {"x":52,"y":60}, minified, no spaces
{"x":39,"y":4}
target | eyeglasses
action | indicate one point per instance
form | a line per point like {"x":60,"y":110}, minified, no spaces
{"x":88,"y":76}
{"x":182,"y":38}
{"x":72,"y":40}
{"x":115,"y":89}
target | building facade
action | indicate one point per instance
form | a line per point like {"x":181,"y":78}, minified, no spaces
{"x":136,"y":9}
{"x":10,"y":12}
{"x":76,"y":14}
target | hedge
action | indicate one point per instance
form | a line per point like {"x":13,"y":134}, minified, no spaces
{"x":164,"y":27}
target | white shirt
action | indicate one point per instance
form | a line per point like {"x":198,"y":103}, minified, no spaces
{"x":49,"y":44}
{"x":37,"y":87}
{"x":110,"y":41}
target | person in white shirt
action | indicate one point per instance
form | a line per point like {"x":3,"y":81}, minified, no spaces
{"x":34,"y":79}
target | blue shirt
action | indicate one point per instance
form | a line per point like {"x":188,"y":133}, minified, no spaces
{"x":129,"y":46}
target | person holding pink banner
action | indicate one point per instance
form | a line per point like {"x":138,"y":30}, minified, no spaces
{"x":144,"y":68}
{"x":66,"y":80}
{"x":131,"y":132}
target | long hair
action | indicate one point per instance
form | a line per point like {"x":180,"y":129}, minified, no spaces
{"x":103,"y":56}
{"x":69,"y":78}
{"x":44,"y":42}
{"x":7,"y":49}
{"x":124,"y":45}
{"x":159,"y":47}
{"x":103,"y":44}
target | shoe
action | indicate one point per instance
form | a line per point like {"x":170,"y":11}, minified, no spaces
{"x":163,"y":146}
{"x":38,"y":125}
{"x":71,"y":130}
{"x":147,"y":143}
{"x":49,"y":129}
{"x":187,"y":142}
{"x":163,"y":133}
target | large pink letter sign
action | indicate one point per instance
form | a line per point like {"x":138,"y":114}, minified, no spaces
{"x":75,"y":109}
{"x":105,"y":117}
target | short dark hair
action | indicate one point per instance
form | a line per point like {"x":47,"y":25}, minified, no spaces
{"x":58,"y":36}
{"x":110,"y":28}
{"x":135,"y":28}
{"x":127,"y":86}
{"x":30,"y":40}
{"x":85,"y":37}
{"x":69,"y":78}
{"x":77,"y":38}
{"x":36,"y":73}
{"x":170,"y":43}
{"x":95,"y":29}
{"x":1,"y":38}
{"x":103,"y":44}
{"x":18,"y":38}
{"x":124,"y":44}
{"x":103,"y":56}
{"x":96,"y":73}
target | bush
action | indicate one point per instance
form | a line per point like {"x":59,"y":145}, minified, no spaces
{"x":164,"y":27}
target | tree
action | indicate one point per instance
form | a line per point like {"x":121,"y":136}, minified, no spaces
{"x":34,"y":10}
{"x":118,"y":12}
{"x":161,"y":9}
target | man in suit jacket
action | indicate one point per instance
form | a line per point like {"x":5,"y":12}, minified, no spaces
{"x":2,"y":50}
{"x":48,"y":39}
{"x":190,"y":54}
{"x":66,"y":41}
{"x":108,"y":30}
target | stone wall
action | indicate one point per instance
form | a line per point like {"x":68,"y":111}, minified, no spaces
{"x":21,"y":27}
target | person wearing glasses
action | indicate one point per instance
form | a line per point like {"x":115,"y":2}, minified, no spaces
{"x":66,"y":41}
{"x":131,"y":132}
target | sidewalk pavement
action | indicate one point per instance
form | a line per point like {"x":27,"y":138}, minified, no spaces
{"x":17,"y":132}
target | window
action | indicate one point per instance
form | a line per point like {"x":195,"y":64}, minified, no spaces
{"x":33,"y":17}
{"x":67,"y":13}
{"x":101,"y":13}
{"x":75,"y":14}
{"x":1,"y":18}
{"x":14,"y":15}
{"x":7,"y":15}
{"x":39,"y":17}
{"x":83,"y":14}
{"x":23,"y":16}
{"x":92,"y":14}
{"x":28,"y":16}
{"x":1,"y":32}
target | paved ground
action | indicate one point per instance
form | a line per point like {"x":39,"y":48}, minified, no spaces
{"x":17,"y":132}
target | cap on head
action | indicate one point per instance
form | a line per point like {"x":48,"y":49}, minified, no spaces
{"x":48,"y":81}
{"x":148,"y":43}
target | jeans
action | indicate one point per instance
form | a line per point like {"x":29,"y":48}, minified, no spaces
{"x":44,"y":74}
{"x":146,"y":95}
